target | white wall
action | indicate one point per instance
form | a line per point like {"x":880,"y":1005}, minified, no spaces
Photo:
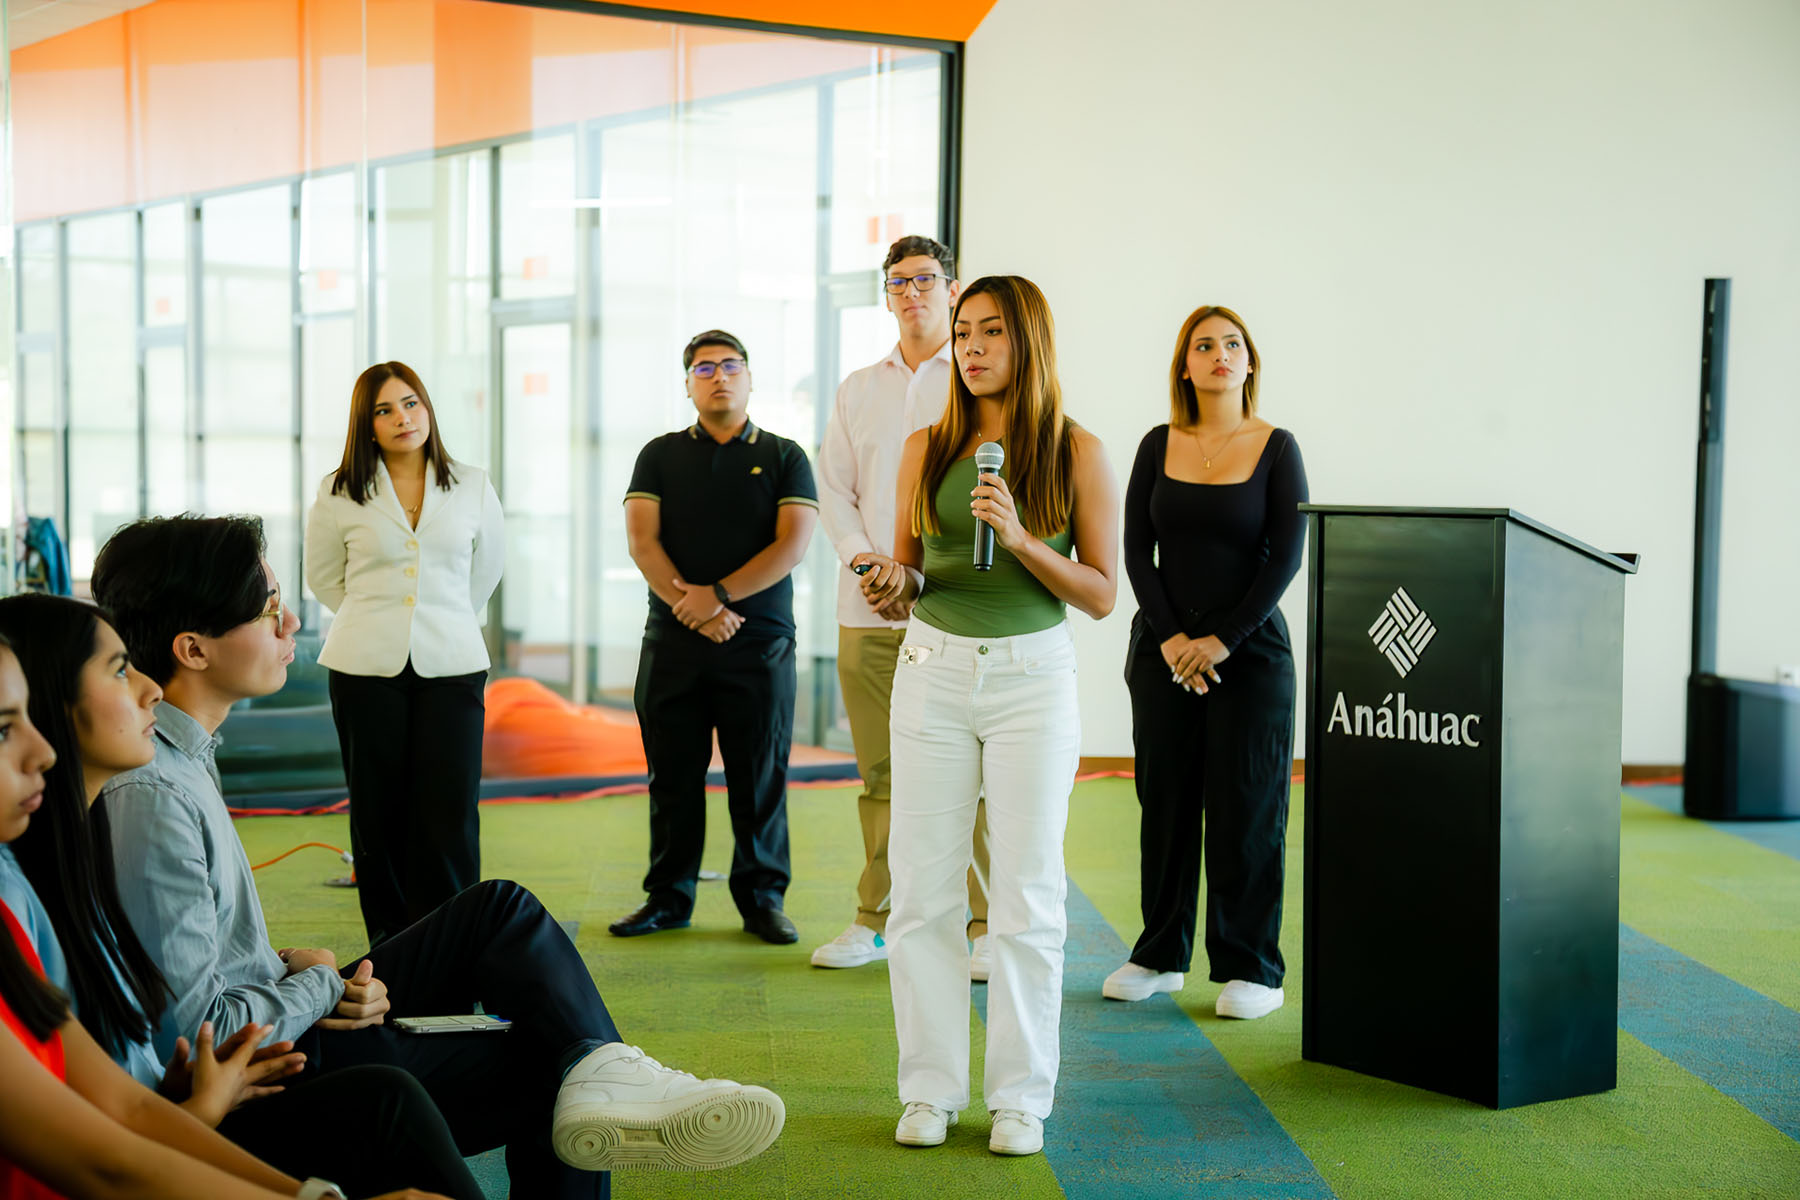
{"x":1470,"y":242}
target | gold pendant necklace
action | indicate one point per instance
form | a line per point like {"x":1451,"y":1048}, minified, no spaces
{"x":1205,"y":458}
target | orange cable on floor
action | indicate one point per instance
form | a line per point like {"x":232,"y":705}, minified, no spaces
{"x":341,"y":853}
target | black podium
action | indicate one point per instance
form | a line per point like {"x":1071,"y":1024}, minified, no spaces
{"x":1463,"y":716}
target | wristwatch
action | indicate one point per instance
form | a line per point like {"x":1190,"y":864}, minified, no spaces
{"x":318,"y":1189}
{"x":723,"y":595}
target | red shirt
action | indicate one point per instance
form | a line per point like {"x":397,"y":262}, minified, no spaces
{"x":14,"y":1183}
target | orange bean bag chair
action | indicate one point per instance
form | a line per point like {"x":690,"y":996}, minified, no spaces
{"x":532,"y":732}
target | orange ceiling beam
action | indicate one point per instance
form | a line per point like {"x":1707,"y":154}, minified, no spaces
{"x":944,"y":20}
{"x":187,"y":96}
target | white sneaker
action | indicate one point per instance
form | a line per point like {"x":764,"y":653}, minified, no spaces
{"x":855,"y":947}
{"x":1015,"y":1132}
{"x":1132,"y":982}
{"x":923,"y":1125}
{"x":1247,"y":1001}
{"x":619,"y":1109}
{"x":981,"y":959}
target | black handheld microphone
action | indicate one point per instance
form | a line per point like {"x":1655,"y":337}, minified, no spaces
{"x":988,"y":458}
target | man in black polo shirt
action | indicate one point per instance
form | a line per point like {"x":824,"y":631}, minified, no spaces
{"x":718,"y":515}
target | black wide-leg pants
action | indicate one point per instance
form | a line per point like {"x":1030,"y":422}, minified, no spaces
{"x":412,"y":757}
{"x":687,"y":687}
{"x":496,"y":946}
{"x":392,"y":1135}
{"x":1213,"y":773}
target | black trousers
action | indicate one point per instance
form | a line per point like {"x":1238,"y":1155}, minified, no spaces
{"x":370,"y":1130}
{"x":493,"y":945}
{"x":412,"y":758}
{"x":688,"y":687}
{"x":1213,"y":773}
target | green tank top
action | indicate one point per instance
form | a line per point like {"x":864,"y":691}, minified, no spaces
{"x":958,"y":599}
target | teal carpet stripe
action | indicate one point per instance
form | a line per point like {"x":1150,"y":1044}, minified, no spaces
{"x":1145,"y":1105}
{"x":1783,"y":837}
{"x":1736,"y":1039}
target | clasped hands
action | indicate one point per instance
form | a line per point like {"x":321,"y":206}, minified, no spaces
{"x":365,"y":999}
{"x":1193,"y":661}
{"x":699,"y":610}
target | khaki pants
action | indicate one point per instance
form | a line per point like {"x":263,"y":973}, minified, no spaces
{"x":866,"y":660}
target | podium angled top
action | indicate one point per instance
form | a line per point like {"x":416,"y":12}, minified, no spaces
{"x":1626,"y":564}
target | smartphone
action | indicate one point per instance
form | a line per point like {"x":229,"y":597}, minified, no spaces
{"x":467,"y":1023}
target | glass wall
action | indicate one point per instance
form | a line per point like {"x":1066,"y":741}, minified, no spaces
{"x":296,"y":190}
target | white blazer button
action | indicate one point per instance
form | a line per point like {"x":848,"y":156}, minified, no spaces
{"x":411,"y":600}
{"x":412,"y":545}
{"x":411,"y":571}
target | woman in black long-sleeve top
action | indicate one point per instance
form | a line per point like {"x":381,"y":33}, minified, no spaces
{"x":1212,"y":539}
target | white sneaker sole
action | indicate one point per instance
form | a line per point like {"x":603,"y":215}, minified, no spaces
{"x":1250,"y":1012}
{"x":1015,"y":1149}
{"x":695,"y":1133}
{"x":1149,"y":988}
{"x":834,"y":962}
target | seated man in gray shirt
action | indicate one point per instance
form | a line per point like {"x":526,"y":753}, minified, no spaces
{"x":200,"y":612}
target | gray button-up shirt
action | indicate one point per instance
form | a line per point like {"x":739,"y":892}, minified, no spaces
{"x":186,"y":885}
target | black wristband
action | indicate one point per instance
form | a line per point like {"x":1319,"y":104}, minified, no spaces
{"x":723,"y":595}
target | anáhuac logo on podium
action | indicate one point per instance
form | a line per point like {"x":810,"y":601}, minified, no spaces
{"x":1400,"y":634}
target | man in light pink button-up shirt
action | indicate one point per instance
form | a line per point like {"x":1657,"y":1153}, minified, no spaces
{"x":877,"y":407}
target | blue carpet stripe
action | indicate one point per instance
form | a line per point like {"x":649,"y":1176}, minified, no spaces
{"x":1145,"y":1105}
{"x":1783,"y":837}
{"x":1736,"y":1039}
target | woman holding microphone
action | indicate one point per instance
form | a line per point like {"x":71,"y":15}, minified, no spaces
{"x":1213,"y":536}
{"x":984,"y":700}
{"x":406,"y":546}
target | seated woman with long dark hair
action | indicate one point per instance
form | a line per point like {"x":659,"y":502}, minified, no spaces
{"x":369,"y":1128}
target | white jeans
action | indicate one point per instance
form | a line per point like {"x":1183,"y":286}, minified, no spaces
{"x":970,"y":714}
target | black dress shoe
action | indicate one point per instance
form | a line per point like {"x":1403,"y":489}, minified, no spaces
{"x":772,"y":925}
{"x":652,"y":918}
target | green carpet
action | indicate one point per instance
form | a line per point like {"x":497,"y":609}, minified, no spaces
{"x":713,"y":1001}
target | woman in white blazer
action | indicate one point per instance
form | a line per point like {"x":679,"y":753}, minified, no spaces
{"x":406,"y":546}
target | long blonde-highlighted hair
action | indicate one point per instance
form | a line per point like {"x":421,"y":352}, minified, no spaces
{"x":1184,"y":405}
{"x":1040,"y":440}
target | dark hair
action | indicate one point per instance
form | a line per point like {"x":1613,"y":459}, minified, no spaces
{"x":712,"y":337}
{"x":1184,"y":403}
{"x":71,"y":873}
{"x":355,"y":475}
{"x":40,"y":1006}
{"x":161,"y":577}
{"x":912,"y":245}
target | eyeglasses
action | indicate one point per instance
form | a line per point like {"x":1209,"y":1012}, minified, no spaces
{"x":897,"y":283}
{"x":273,"y":612}
{"x":706,"y":370}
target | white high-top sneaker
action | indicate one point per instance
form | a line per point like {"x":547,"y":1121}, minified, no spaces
{"x":621,"y":1110}
{"x":1247,"y":1001}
